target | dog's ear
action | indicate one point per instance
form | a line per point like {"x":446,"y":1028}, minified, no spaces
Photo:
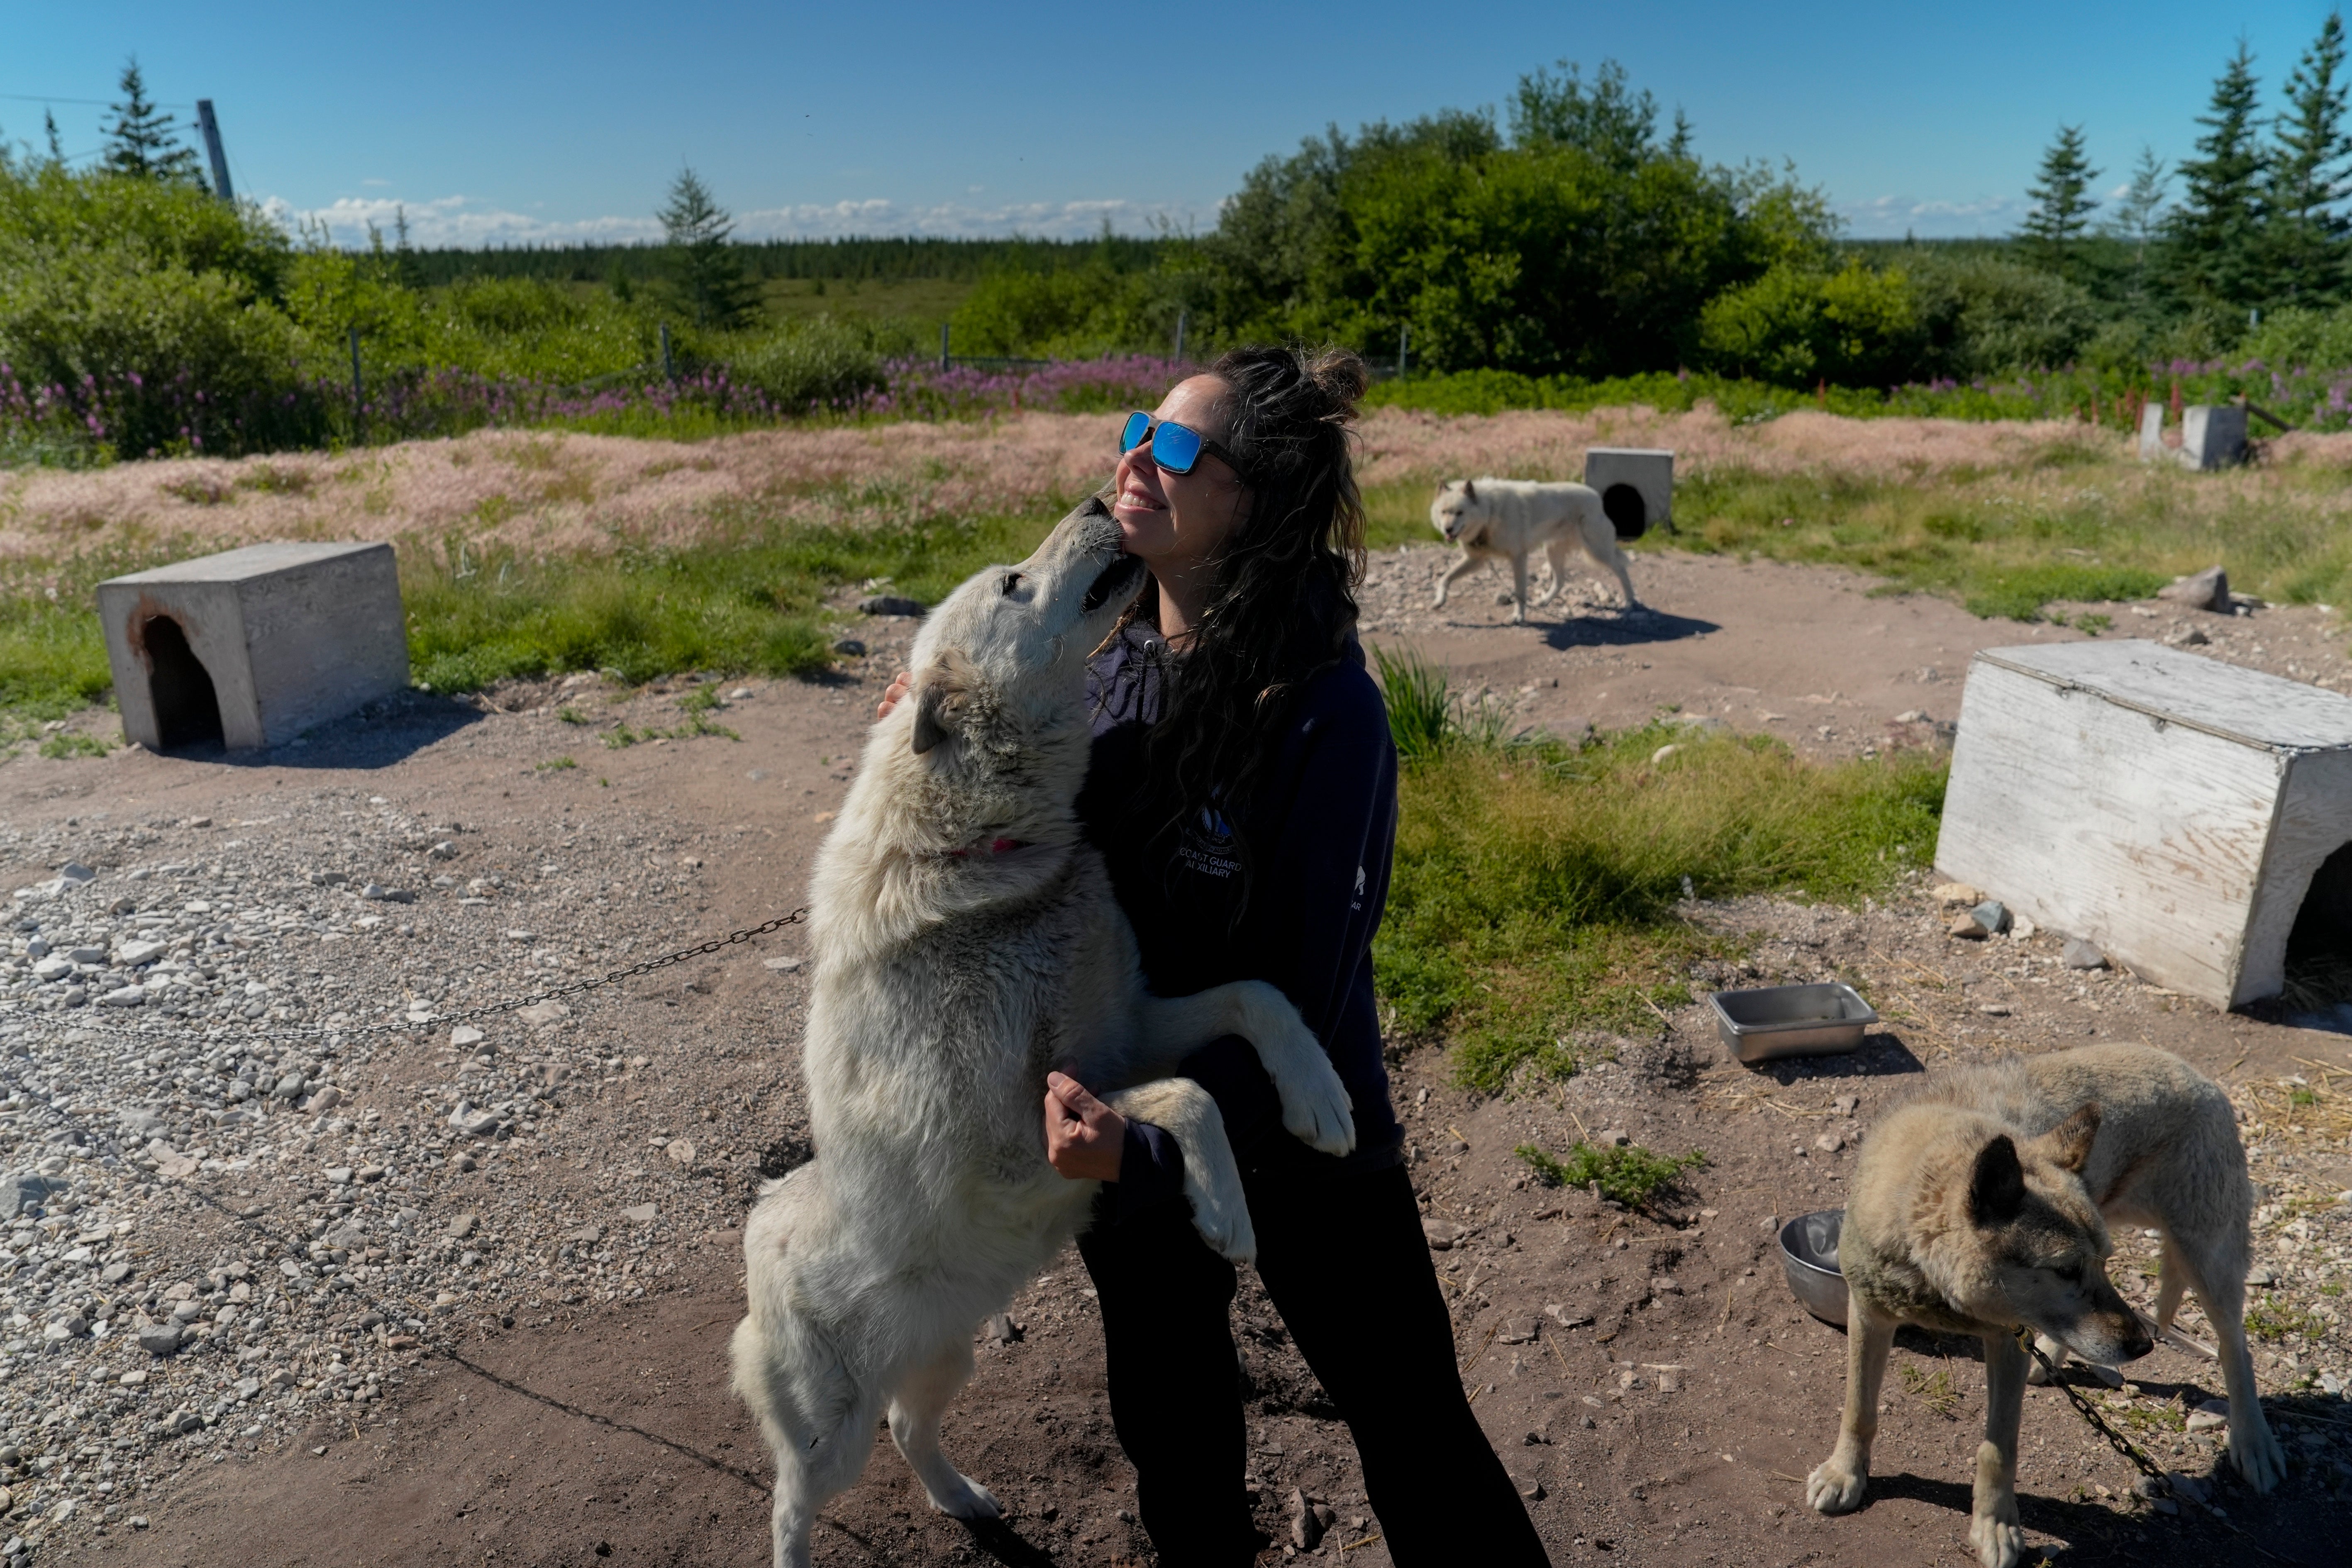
{"x":1997,"y":1186}
{"x":2068,"y":1144}
{"x":1469,"y":490}
{"x":939,"y":694}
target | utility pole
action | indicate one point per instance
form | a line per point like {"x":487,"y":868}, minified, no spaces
{"x":1405,"y":339}
{"x":943,"y":346}
{"x":669,"y":364}
{"x":1179,"y":335}
{"x":359,"y":394}
{"x":211,"y":128}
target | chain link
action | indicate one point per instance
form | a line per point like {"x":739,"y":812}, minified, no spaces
{"x":2089,"y":1412}
{"x":404,"y":1026}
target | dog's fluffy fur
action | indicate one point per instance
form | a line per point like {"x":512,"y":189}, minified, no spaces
{"x":1981,"y":1204}
{"x":966,"y":940}
{"x":1510,"y":519}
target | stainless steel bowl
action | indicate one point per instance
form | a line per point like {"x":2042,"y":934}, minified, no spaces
{"x":1808,"y":1256}
{"x":1791,"y":1021}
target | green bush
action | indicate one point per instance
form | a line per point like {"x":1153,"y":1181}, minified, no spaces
{"x":1629,"y":1173}
{"x":818,"y":362}
{"x":1797,"y":326}
{"x":1983,"y":316}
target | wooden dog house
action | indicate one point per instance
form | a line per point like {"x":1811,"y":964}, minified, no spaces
{"x":2177,"y":811}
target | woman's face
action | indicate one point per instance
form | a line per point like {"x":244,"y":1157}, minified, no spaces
{"x":1174,"y":522}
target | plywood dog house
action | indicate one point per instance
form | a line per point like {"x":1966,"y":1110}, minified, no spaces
{"x":252,"y":646}
{"x":2180,"y":811}
{"x":1636,"y":486}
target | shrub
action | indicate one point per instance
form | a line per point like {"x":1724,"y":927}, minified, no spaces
{"x":1797,"y":326}
{"x":816,"y":363}
{"x":1984,"y":316}
{"x":1630,"y":1174}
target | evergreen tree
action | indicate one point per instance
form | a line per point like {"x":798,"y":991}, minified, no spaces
{"x":2216,"y":229}
{"x":709,"y":273}
{"x":1615,"y":125}
{"x":1678,"y":145}
{"x":2136,"y":215}
{"x":2308,"y":238}
{"x":56,"y":148}
{"x":2061,"y":202}
{"x":142,"y":142}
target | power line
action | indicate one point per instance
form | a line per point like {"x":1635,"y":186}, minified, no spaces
{"x":87,"y":102}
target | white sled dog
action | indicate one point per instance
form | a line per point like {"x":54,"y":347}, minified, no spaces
{"x":966,"y":940}
{"x":1509,"y":519}
{"x":1982,"y":1204}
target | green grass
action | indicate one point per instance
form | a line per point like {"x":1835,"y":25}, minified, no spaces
{"x":1630,"y":1174}
{"x":748,"y":602}
{"x":1535,"y":886}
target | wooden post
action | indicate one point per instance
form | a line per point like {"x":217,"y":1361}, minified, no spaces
{"x":211,"y":128}
{"x":359,"y":393}
{"x":1179,"y":336}
{"x":669,"y":364}
{"x":943,"y":346}
{"x":1404,"y":341}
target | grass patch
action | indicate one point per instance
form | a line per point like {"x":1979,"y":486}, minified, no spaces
{"x":1933,"y":1389}
{"x":74,"y":743}
{"x":1631,"y":1174}
{"x":1534,"y":885}
{"x":555,"y":766}
{"x":2272,"y":1319}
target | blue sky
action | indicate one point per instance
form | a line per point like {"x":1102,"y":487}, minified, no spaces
{"x":506,"y":120}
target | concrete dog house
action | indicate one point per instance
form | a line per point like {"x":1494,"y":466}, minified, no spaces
{"x":1636,"y":486}
{"x":252,"y":646}
{"x":2189,"y":817}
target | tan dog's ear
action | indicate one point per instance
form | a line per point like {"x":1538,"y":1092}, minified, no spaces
{"x":2068,"y":1144}
{"x":1997,"y":1186}
{"x":940,"y":693}
{"x":1469,"y":490}
{"x":928,"y":729}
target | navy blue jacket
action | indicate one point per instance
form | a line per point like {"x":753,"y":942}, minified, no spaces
{"x":1314,"y":841}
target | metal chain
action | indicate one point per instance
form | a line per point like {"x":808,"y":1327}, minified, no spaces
{"x":578,"y":987}
{"x":2089,"y":1412}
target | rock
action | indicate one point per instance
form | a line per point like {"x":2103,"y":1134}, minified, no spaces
{"x":18,"y":1194}
{"x":114,"y":1274}
{"x":287,"y":1087}
{"x":2186,"y":637}
{"x":1829,"y":1142}
{"x":1911,"y":716}
{"x":340,"y":1176}
{"x":1611,"y":1138}
{"x":587,"y":1233}
{"x":2022,"y":930}
{"x":160,"y":1339}
{"x":1003,"y":1329}
{"x":1846,"y":1104}
{"x":679,"y":1150}
{"x":2261,"y":1275}
{"x":1665,"y":1285}
{"x":50,"y":969}
{"x":1992,"y":914}
{"x":1528,"y":1487}
{"x":75,"y":871}
{"x":1965,"y":927}
{"x":783,"y":965}
{"x":460,"y":1228}
{"x":850,"y":647}
{"x":1568,"y":1317}
{"x":1517,"y":1331}
{"x":473,"y":1123}
{"x":544,"y":1015}
{"x":2083,"y":954}
{"x":2188,"y":1486}
{"x":2149,"y":1488}
{"x":465,"y":1037}
{"x":132,"y":954}
{"x":369,"y":1173}
{"x":1994,"y":1009}
{"x":638,"y":1213}
{"x":1957,"y":893}
{"x":87,"y":955}
{"x":2206,"y":590}
{"x":445,"y":850}
{"x":1306,"y":1529}
{"x":1440,"y":1234}
{"x":327,"y":1099}
{"x":888,"y":604}
{"x":377,"y":892}
{"x":1662,"y":753}
{"x":122,"y":996}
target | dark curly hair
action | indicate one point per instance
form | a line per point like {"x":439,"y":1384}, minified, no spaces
{"x":1282,"y":604}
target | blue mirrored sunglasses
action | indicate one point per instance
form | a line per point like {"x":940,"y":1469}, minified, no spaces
{"x":1175,"y":448}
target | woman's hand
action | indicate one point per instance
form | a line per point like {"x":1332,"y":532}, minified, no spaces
{"x":898,"y":684}
{"x":1084,"y":1137}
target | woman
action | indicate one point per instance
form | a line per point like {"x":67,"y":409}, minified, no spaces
{"x":1243,"y":792}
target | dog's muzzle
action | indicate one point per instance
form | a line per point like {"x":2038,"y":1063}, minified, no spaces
{"x":1119,"y":581}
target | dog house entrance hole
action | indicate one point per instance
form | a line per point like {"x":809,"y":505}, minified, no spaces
{"x":2319,"y":948}
{"x":1626,"y":511}
{"x":187,"y":710}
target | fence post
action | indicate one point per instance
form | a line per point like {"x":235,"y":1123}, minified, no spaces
{"x":670,"y":365}
{"x":1179,"y":335}
{"x":211,"y":128}
{"x":943,"y":346}
{"x":359,"y":393}
{"x":1404,"y":337}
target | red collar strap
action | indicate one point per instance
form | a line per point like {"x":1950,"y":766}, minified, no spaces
{"x":995,"y":846}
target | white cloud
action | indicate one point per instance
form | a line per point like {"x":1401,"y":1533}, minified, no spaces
{"x":1892,"y":217}
{"x":467,"y":222}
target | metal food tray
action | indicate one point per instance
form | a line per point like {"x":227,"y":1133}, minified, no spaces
{"x":1791,"y":1021}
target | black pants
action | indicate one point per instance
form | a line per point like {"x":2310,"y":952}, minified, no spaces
{"x":1345,"y":1260}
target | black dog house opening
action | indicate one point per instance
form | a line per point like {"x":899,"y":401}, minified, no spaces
{"x":187,"y":710}
{"x":2319,"y":948}
{"x":1626,"y":511}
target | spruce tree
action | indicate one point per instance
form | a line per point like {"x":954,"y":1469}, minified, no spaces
{"x":2216,"y":229}
{"x":1608,"y":120}
{"x":142,"y":142}
{"x":709,"y":274}
{"x":2308,"y":238}
{"x":2061,"y":201}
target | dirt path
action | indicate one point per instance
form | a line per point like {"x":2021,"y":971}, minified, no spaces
{"x":1660,"y":1415}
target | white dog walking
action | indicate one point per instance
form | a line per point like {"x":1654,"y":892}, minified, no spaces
{"x":967,"y":941}
{"x":1509,"y":519}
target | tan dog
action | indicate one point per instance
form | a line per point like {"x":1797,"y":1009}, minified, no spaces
{"x":1982,"y":1204}
{"x":1509,"y":520}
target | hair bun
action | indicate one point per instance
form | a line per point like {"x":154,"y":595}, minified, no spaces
{"x":1342,"y":377}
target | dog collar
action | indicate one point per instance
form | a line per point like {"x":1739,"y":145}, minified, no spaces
{"x":995,"y":846}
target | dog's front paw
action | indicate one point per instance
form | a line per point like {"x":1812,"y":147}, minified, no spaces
{"x":1318,"y":1111}
{"x":1998,"y":1542}
{"x":2256,"y":1452}
{"x":964,"y":1498}
{"x":1836,"y":1486}
{"x":1226,"y":1229}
